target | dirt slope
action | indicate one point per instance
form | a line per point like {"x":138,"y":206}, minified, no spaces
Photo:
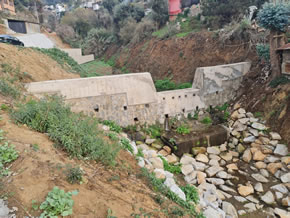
{"x":179,"y":57}
{"x":38,"y":171}
{"x":39,"y":66}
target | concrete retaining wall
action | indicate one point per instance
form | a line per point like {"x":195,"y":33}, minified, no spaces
{"x":76,"y":54}
{"x":32,"y":27}
{"x":129,"y":98}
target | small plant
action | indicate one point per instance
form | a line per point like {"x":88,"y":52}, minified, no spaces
{"x":140,"y":153}
{"x":113,"y":136}
{"x":183,"y":130}
{"x":263,"y":51}
{"x":191,"y":193}
{"x":110,"y":214}
{"x":126,"y":145}
{"x":176,"y":169}
{"x":172,"y":141}
{"x":35,"y":147}
{"x":258,"y":114}
{"x":207,"y":120}
{"x":113,"y":126}
{"x":34,"y":205}
{"x":4,"y":107}
{"x":58,"y":203}
{"x":74,"y":175}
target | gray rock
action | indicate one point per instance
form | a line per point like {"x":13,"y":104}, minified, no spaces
{"x":150,"y":141}
{"x":159,"y":173}
{"x":249,"y":139}
{"x":230,"y":210}
{"x":264,"y":173}
{"x":187,"y":169}
{"x":280,"y":188}
{"x":141,"y":162}
{"x":273,"y":142}
{"x":278,"y":195}
{"x":175,"y":189}
{"x":199,"y":166}
{"x":169,"y":182}
{"x":247,"y":156}
{"x":213,"y":162}
{"x":271,"y":159}
{"x":286,"y":201}
{"x":259,"y":126}
{"x":156,"y":162}
{"x":244,"y":120}
{"x":134,"y":147}
{"x":281,"y":150}
{"x":240,"y":199}
{"x":215,"y":181}
{"x":213,"y":170}
{"x":143,"y":147}
{"x":242,"y":212}
{"x":252,"y":199}
{"x":242,"y":111}
{"x":282,"y":213}
{"x":222,"y":175}
{"x":239,"y":127}
{"x":187,"y":160}
{"x":285,"y":178}
{"x":210,"y":212}
{"x":250,"y":206}
{"x":168,"y":174}
{"x":254,"y":132}
{"x":227,"y":189}
{"x":213,"y":150}
{"x":260,"y":178}
{"x":4,"y":210}
{"x":268,"y":198}
{"x":275,"y":136}
{"x":190,"y":177}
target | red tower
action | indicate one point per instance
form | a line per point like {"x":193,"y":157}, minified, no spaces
{"x":174,"y":7}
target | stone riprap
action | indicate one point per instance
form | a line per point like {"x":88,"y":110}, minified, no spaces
{"x":231,"y":181}
{"x":132,"y":98}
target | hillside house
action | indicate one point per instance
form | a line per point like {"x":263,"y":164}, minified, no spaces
{"x":285,"y":51}
{"x":7,"y":5}
{"x":92,"y":4}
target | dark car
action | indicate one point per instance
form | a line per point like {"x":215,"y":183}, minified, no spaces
{"x":10,"y":40}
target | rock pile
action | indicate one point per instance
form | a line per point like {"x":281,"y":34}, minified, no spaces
{"x":251,"y":170}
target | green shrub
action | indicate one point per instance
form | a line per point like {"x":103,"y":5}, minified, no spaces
{"x":191,"y":193}
{"x":113,"y":126}
{"x":183,"y":130}
{"x":75,"y":133}
{"x":126,"y":145}
{"x":58,"y":203}
{"x":74,"y":175}
{"x":154,"y":131}
{"x":158,"y":185}
{"x":206,"y":120}
{"x":176,"y":169}
{"x":274,"y":17}
{"x":166,"y":85}
{"x":263,"y":51}
{"x":7,"y":89}
{"x":63,"y":59}
{"x":113,"y":136}
{"x":282,"y":80}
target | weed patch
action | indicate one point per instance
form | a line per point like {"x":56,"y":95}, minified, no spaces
{"x":207,"y":120}
{"x":74,"y":175}
{"x":176,"y":169}
{"x":183,"y":130}
{"x":7,"y":89}
{"x":113,"y":126}
{"x":166,"y":85}
{"x":75,"y":133}
{"x":126,"y":145}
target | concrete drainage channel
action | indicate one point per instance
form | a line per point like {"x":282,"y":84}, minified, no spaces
{"x":250,"y":172}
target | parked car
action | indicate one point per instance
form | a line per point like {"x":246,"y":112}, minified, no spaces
{"x":10,"y":40}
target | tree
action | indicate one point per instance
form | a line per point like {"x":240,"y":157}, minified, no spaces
{"x":276,"y":19}
{"x":221,"y":12}
{"x":124,"y":11}
{"x":160,"y":11}
{"x":110,"y":4}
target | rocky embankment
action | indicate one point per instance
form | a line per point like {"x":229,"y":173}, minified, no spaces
{"x":249,"y":172}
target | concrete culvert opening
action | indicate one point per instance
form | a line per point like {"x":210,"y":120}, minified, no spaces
{"x":136,"y":119}
{"x":125,"y":108}
{"x":96,"y":108}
